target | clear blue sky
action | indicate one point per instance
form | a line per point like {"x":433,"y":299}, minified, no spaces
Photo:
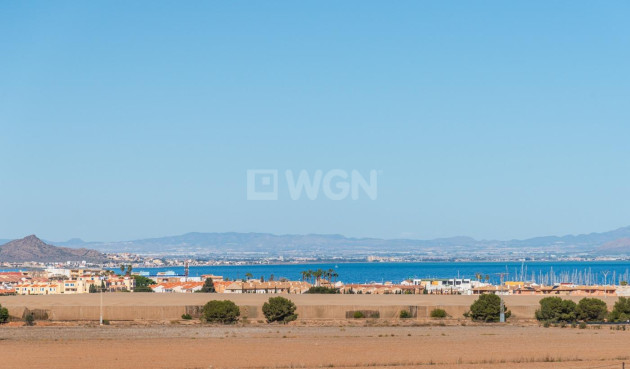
{"x":493,"y":119}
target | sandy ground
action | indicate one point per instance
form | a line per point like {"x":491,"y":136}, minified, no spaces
{"x":176,"y":346}
{"x":174,"y":299}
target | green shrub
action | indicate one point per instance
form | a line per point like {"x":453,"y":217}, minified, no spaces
{"x":621,"y":310}
{"x":208,"y":286}
{"x":487,"y":308}
{"x":323,"y":290}
{"x":143,"y":283}
{"x":555,"y":309}
{"x":186,"y":316}
{"x":375,"y":315}
{"x":438,"y":313}
{"x":405,"y":314}
{"x":358,"y":315}
{"x":591,"y":309}
{"x":546,"y":324}
{"x":217,"y":311}
{"x":4,"y":315}
{"x":29,"y":320}
{"x":105,"y":322}
{"x":279,"y":309}
{"x":582,"y":325}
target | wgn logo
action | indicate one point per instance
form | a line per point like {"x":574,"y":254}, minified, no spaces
{"x":335,"y":184}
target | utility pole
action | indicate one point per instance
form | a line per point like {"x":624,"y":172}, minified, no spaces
{"x":502,"y":311}
{"x":186,"y":271}
{"x":101,"y":316}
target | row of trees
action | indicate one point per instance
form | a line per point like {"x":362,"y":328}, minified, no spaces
{"x":557,"y":310}
{"x":277,"y":309}
{"x":316,"y":276}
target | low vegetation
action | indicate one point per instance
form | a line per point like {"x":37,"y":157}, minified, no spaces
{"x":487,"y":308}
{"x":186,"y":316}
{"x":358,"y":315}
{"x":279,"y":309}
{"x":217,"y":311}
{"x":4,"y":315}
{"x":438,"y":313}
{"x":29,"y":320}
{"x":405,"y":314}
{"x":323,"y":290}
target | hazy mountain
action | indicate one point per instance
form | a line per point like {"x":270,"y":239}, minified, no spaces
{"x":32,"y":248}
{"x":605,"y":243}
{"x":620,"y":246}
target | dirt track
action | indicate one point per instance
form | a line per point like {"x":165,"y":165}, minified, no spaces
{"x":311,"y":347}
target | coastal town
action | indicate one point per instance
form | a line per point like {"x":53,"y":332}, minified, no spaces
{"x":58,"y":281}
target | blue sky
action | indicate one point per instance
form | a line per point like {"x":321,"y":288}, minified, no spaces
{"x":491,"y":119}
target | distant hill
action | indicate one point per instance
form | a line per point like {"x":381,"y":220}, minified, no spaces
{"x":256,"y":244}
{"x":620,"y":246}
{"x":32,"y":248}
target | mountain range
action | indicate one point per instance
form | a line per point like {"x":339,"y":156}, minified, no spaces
{"x":616,"y":242}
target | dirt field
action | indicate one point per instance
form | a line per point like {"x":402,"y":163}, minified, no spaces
{"x":157,"y":306}
{"x":173,"y":346}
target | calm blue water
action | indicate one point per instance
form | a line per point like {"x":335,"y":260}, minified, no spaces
{"x":545,"y":272}
{"x":592,"y":272}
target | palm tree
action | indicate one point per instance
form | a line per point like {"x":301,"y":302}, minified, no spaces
{"x":129,"y":269}
{"x":334,"y":276}
{"x":318,"y":276}
{"x":307,"y":275}
{"x":249,"y":276}
{"x":122,"y":268}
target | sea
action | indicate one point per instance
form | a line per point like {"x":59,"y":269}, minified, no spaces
{"x":546,"y":272}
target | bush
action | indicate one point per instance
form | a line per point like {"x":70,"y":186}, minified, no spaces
{"x":375,"y":315}
{"x":591,"y":309}
{"x":582,"y":325}
{"x":279,"y":309}
{"x":555,"y":309}
{"x":621,"y":310}
{"x":4,"y":315}
{"x":186,"y":316}
{"x":323,"y":290}
{"x":105,"y":322}
{"x":29,"y":320}
{"x":487,"y":309}
{"x":405,"y":314}
{"x":225,"y":312}
{"x":358,"y":315}
{"x":438,"y":313}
